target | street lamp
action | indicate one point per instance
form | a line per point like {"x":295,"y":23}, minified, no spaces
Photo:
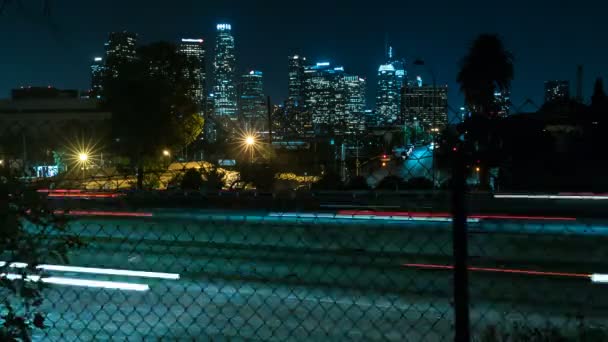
{"x":83,"y":158}
{"x":250,"y":141}
{"x":166,"y":153}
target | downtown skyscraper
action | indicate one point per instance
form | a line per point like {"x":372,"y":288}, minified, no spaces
{"x":557,"y":91}
{"x":120,"y":49}
{"x":355,"y":89}
{"x":296,"y":78}
{"x":251,"y":101}
{"x":323,"y":95}
{"x":334,"y":101}
{"x":97,"y":76}
{"x":391,"y":78}
{"x":295,"y":115}
{"x":195,"y":49}
{"x":224,"y":69}
{"x":424,"y":110}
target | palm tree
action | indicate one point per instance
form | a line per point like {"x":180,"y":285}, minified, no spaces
{"x":485,"y":70}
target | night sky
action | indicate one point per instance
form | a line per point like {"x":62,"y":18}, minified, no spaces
{"x":548,"y":38}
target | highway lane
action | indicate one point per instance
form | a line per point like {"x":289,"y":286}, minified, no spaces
{"x":216,"y":308}
{"x":339,"y":279}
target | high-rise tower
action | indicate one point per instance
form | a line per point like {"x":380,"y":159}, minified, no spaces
{"x":391,"y":78}
{"x":195,"y":49}
{"x":252,"y":104}
{"x":120,"y":49}
{"x":224,"y":67}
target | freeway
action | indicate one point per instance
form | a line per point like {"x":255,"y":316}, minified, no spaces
{"x":252,"y":275}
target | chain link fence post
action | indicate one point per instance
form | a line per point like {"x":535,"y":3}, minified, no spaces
{"x":459,"y":240}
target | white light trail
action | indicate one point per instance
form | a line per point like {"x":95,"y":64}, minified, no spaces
{"x":95,"y":270}
{"x":114,"y":285}
{"x":599,"y":278}
{"x":366,"y":217}
{"x":109,"y":271}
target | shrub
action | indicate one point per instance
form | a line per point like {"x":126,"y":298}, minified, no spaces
{"x":192,"y":180}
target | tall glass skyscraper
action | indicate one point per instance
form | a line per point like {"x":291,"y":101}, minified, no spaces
{"x":425,"y":109}
{"x":195,"y":49}
{"x":323,"y":94}
{"x":333,"y":100}
{"x":97,"y":75}
{"x":224,"y":68}
{"x":120,"y":49}
{"x":298,"y":120}
{"x":391,"y":78}
{"x":296,"y":79}
{"x":354,"y":95}
{"x":252,"y":105}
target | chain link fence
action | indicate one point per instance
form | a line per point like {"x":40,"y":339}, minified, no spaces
{"x":175,"y":274}
{"x":302,"y":259}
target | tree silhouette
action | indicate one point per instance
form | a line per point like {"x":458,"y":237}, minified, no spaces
{"x":152,"y":105}
{"x":485,"y":70}
{"x":599,"y":98}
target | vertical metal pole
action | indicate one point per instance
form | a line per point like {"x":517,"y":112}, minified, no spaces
{"x":433,"y":126}
{"x":459,"y":241}
{"x":24,"y":154}
{"x":269,"y":121}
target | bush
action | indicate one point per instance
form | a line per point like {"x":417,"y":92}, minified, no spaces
{"x":213,"y":179}
{"x":27,"y":221}
{"x":262,"y":177}
{"x":419,"y":183}
{"x":391,"y":183}
{"x":329,"y":181}
{"x":358,"y":183}
{"x":192,"y":180}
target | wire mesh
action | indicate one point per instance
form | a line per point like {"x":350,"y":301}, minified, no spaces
{"x":301,"y":262}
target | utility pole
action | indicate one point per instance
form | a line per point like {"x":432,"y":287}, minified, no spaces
{"x":24,"y":154}
{"x":269,"y":121}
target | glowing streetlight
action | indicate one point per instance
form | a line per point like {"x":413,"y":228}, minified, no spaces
{"x":83,"y":157}
{"x":250,"y":145}
{"x":166,"y":153}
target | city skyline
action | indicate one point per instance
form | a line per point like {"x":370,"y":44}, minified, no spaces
{"x":359,"y":47}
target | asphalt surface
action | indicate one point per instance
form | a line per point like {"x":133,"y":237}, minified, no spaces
{"x":250,"y":276}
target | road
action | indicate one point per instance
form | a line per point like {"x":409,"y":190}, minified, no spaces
{"x":252,"y":276}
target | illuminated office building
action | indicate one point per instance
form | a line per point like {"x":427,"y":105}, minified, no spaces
{"x":323,"y":95}
{"x":354,"y":92}
{"x":557,"y":91}
{"x":120,"y":49}
{"x":251,"y":101}
{"x":503,"y":103}
{"x":295,"y":82}
{"x":97,"y":75}
{"x":195,"y":49}
{"x":224,"y":68}
{"x":334,"y":100}
{"x":425,"y":108}
{"x":391,"y":78}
